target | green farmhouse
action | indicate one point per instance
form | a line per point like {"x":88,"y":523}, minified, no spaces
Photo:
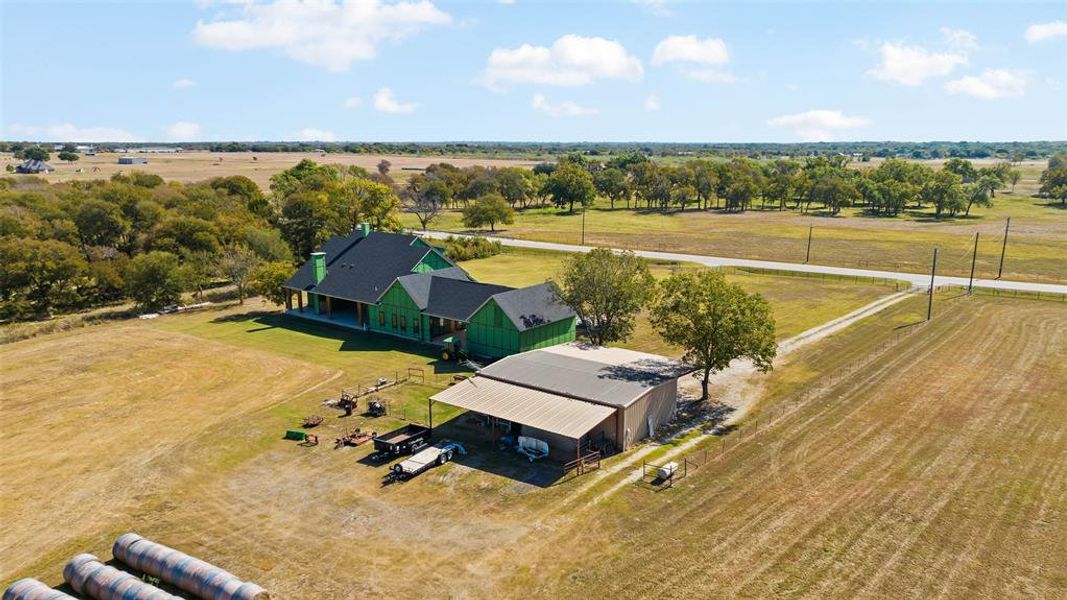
{"x":400,"y":285}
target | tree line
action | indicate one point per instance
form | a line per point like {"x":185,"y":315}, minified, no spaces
{"x":636,"y":182}
{"x":80,"y":244}
{"x":1014,"y":151}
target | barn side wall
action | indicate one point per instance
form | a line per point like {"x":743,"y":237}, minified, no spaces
{"x":658,"y":403}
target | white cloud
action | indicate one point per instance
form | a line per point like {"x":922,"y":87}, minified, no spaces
{"x":323,"y":33}
{"x":690,"y":49}
{"x":701,"y":59}
{"x":561,"y":109}
{"x":1039,"y":32}
{"x":353,"y":102}
{"x":911,"y":65}
{"x":182,"y":84}
{"x":652,"y":103}
{"x":182,"y":131}
{"x":67,"y":132}
{"x":817,"y":125}
{"x":959,"y":40}
{"x":571,"y":60}
{"x":991,"y":84}
{"x":310,"y":134}
{"x":385,"y":101}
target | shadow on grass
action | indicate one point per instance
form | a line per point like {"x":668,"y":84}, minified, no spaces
{"x":1051,"y":204}
{"x":350,"y":340}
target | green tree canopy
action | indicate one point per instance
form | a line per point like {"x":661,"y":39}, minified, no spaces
{"x":714,"y":322}
{"x":607,"y":290}
{"x":267,"y":281}
{"x":570,"y":184}
{"x":489,"y":210}
{"x":154,"y":280}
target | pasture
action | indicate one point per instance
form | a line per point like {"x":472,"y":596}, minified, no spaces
{"x":935,"y":471}
{"x":172,"y":427}
{"x":1037,"y":246}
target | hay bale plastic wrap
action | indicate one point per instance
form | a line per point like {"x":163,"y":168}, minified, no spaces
{"x":184,"y":572}
{"x":90,"y":577}
{"x":31,"y":589}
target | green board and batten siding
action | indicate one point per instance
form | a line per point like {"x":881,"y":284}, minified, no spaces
{"x":492,"y":334}
{"x":431,"y":262}
{"x":396,"y":313}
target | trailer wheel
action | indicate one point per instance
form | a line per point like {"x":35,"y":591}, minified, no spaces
{"x":448,"y":456}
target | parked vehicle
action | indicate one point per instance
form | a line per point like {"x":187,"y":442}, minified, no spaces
{"x":438,"y":454}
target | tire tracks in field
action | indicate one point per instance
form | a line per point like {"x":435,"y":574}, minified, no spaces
{"x":831,"y":409}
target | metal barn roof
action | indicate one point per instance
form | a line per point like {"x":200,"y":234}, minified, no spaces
{"x":557,"y":414}
{"x":612,"y":376}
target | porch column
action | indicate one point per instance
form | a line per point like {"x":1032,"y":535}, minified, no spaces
{"x":300,"y":300}
{"x":329,"y":307}
{"x":288,"y":299}
{"x":359,"y":313}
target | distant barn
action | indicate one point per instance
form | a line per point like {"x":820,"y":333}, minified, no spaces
{"x":34,"y":167}
{"x":133,"y":160}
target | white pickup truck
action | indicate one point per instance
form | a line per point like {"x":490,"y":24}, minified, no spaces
{"x":438,"y":454}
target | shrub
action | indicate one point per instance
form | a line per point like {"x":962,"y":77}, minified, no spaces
{"x":470,"y":248}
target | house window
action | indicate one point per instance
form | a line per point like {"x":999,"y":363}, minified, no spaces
{"x":415,"y":324}
{"x":403,"y":322}
{"x":381,"y":318}
{"x":394,"y":320}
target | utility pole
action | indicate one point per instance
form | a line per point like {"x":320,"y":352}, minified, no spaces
{"x":974,"y":258}
{"x":583,"y":225}
{"x":807,"y":255}
{"x":930,"y":303}
{"x":1003,"y":248}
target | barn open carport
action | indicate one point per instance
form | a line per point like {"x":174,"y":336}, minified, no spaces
{"x":565,"y":424}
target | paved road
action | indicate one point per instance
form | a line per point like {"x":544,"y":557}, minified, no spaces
{"x":915,"y":279}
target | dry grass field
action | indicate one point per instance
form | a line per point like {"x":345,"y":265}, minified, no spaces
{"x":1037,"y":248}
{"x":197,"y":166}
{"x":92,"y":420}
{"x":937,"y":471}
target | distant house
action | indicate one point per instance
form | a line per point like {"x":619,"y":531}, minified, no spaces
{"x":133,"y":160}
{"x":34,"y":167}
{"x":402,"y":286}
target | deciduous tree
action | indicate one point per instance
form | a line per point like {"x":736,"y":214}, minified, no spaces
{"x":607,"y":290}
{"x":714,"y":322}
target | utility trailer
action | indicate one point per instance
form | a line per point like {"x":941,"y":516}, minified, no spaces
{"x":407,"y":440}
{"x":438,"y":454}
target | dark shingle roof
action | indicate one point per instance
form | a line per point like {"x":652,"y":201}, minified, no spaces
{"x":304,"y":278}
{"x":458,"y":299}
{"x":34,"y":166}
{"x":532,"y":306}
{"x":417,"y":285}
{"x":362,"y":268}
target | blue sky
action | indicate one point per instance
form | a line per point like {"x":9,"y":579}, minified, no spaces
{"x":418,"y":70}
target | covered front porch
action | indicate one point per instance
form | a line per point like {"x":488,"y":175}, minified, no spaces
{"x":347,"y":313}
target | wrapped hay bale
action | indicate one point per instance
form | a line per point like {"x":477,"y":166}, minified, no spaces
{"x":184,"y":572}
{"x":90,"y":577}
{"x":31,"y":589}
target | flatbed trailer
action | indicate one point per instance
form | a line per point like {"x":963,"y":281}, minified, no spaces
{"x":406,"y":440}
{"x":425,"y":459}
